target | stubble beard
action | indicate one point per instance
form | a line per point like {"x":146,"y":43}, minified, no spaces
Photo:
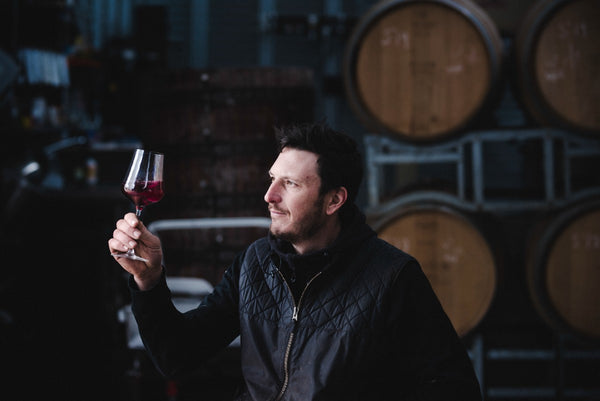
{"x":302,"y":231}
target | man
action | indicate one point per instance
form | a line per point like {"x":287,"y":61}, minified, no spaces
{"x":325,"y":310}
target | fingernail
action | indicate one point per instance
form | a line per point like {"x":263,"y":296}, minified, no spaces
{"x":131,"y":244}
{"x":137,"y":234}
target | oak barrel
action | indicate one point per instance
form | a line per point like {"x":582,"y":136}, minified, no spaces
{"x":557,"y":55}
{"x":422,"y":70}
{"x":563,"y":270}
{"x":453,"y":253}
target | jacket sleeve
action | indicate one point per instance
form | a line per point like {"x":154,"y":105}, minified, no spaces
{"x":178,"y":343}
{"x":438,"y":364}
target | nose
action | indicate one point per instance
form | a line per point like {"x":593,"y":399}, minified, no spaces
{"x":272,"y":196}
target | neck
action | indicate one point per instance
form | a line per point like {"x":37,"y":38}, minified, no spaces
{"x":326,"y":235}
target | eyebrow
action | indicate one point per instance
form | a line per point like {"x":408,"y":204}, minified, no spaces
{"x":289,"y":177}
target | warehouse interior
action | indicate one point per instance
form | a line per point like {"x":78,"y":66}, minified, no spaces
{"x":478,"y":120}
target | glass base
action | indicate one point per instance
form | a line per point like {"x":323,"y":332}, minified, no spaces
{"x":129,"y":255}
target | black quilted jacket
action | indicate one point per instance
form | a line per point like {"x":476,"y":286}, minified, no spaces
{"x":365,"y":326}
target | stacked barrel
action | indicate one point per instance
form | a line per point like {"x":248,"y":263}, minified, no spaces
{"x":422,"y":70}
{"x":428,"y":72}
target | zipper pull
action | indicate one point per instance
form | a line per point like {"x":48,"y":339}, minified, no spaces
{"x":295,"y":314}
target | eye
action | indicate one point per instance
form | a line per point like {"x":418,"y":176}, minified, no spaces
{"x":291,"y":183}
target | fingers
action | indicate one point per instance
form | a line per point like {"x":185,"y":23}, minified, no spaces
{"x":131,"y":233}
{"x":132,"y":219}
{"x":124,"y":236}
{"x":128,"y":230}
{"x":116,"y":246}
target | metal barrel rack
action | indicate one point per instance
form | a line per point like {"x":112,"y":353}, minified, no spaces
{"x":557,"y":152}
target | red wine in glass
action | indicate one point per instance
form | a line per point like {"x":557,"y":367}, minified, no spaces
{"x":143,"y":193}
{"x":143,"y":185}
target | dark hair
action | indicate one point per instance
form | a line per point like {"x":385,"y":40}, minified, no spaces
{"x":339,"y":162}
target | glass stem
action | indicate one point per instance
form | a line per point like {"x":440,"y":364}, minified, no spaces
{"x":138,"y":213}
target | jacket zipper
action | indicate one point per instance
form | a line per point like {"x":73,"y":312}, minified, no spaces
{"x":286,"y":358}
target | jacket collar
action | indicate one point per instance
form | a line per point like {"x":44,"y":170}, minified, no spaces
{"x":354,"y":230}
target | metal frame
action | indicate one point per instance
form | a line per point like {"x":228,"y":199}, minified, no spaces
{"x":382,"y":150}
{"x":559,"y":353}
{"x":201,"y":223}
{"x":208,"y":222}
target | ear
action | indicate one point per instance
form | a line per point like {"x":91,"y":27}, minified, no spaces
{"x":335,"y":199}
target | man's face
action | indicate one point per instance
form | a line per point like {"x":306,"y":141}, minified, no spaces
{"x":297,"y":210}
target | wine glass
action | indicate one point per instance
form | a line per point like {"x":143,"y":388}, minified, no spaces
{"x":143,"y":185}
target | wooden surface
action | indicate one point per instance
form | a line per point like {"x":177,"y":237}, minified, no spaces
{"x":558,"y":57}
{"x":573,"y":274}
{"x":422,"y":70}
{"x":563,"y":270}
{"x":455,"y":257}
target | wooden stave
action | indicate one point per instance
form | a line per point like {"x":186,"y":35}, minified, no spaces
{"x":468,"y":9}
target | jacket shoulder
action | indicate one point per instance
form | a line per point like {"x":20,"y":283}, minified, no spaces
{"x":382,"y":251}
{"x":258,"y":251}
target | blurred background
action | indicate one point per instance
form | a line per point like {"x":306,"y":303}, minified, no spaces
{"x":479,"y":122}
